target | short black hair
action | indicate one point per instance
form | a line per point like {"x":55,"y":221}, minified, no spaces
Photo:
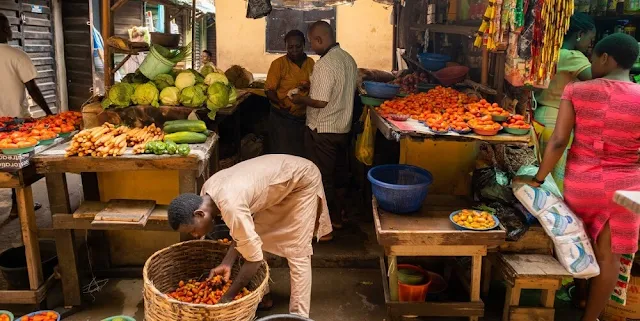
{"x":294,"y":33}
{"x":181,"y":209}
{"x":207,"y":52}
{"x":621,"y":47}
{"x":580,"y":22}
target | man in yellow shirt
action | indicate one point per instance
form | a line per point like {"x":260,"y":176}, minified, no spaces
{"x":287,"y":75}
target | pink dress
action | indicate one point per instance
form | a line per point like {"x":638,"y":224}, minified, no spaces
{"x":604,"y":157}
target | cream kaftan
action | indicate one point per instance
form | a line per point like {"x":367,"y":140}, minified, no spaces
{"x":271,"y":203}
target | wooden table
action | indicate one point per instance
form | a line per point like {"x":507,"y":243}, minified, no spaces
{"x":21,"y":180}
{"x":193,"y":170}
{"x":430,"y":233}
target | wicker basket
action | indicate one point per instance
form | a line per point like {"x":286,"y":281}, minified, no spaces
{"x":190,"y":260}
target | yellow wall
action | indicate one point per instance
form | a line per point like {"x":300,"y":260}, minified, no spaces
{"x":364,"y":30}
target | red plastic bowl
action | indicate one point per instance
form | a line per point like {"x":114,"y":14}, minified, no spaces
{"x":451,"y":75}
{"x":399,"y":117}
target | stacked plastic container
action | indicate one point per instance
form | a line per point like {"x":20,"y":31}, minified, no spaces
{"x":573,"y":247}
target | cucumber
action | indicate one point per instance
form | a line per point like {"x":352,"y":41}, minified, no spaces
{"x":186,"y":138}
{"x":174,"y":126}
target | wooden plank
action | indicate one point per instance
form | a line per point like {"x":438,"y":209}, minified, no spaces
{"x":430,"y":226}
{"x":18,"y":297}
{"x":548,"y":298}
{"x":24,"y":198}
{"x":63,"y":221}
{"x":89,"y":209}
{"x":9,"y":180}
{"x":534,"y":266}
{"x":534,"y":241}
{"x":393,"y":278}
{"x":476,"y":276}
{"x":59,"y":164}
{"x":539,"y":283}
{"x":68,"y":265}
{"x":126,"y":211}
{"x":507,"y":303}
{"x":436,"y":250}
{"x":58,"y":193}
{"x":531,"y":314}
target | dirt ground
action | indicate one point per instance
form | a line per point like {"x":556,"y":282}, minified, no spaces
{"x":346,"y":278}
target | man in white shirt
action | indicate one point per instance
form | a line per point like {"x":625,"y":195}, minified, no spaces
{"x":329,"y":114}
{"x":17,"y":72}
{"x":273,"y":203}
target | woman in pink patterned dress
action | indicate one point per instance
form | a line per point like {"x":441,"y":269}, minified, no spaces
{"x":604,"y":114}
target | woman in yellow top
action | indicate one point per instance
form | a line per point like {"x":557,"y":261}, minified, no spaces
{"x":573,"y":65}
{"x":287,"y":75}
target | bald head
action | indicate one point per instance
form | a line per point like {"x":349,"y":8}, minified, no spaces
{"x":321,"y":36}
{"x":5,"y":29}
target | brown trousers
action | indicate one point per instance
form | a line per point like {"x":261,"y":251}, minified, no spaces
{"x":329,"y":153}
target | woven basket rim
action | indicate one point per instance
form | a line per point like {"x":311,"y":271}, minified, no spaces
{"x":157,"y":292}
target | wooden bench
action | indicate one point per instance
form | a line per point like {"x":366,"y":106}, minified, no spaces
{"x":529,"y":271}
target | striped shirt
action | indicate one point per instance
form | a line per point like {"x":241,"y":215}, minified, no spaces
{"x":333,"y":80}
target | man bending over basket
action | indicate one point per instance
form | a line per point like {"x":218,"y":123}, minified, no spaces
{"x":272,"y":203}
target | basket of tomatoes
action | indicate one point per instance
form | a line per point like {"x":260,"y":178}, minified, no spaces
{"x":174,"y":289}
{"x":473,"y":220}
{"x":516,"y":125}
{"x":6,"y":315}
{"x":41,"y":316}
{"x":17,"y":143}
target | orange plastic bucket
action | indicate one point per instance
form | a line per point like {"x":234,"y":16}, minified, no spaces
{"x":413,"y":293}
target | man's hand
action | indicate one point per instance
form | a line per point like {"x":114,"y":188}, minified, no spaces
{"x":297,"y":99}
{"x":528,"y":180}
{"x":222,"y":269}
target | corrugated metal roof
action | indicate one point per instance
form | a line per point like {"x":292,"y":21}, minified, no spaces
{"x":205,"y":6}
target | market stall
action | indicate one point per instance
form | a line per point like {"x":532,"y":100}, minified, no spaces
{"x":151,"y":181}
{"x":17,"y":171}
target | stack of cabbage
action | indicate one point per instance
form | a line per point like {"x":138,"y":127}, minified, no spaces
{"x":189,"y":88}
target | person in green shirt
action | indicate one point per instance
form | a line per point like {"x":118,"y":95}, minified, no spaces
{"x":573,"y":65}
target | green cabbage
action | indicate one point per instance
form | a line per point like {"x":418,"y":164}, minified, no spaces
{"x":135,"y":78}
{"x":199,"y":77}
{"x":163,"y":81}
{"x":233,"y":95}
{"x":207,"y":69}
{"x":170,"y":96}
{"x":185,"y":79}
{"x":216,"y":77}
{"x":192,"y":96}
{"x":146,"y":94}
{"x":119,"y":96}
{"x":217,"y":96}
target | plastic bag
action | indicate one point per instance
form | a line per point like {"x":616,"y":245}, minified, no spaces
{"x":366,"y":141}
{"x":511,"y":219}
{"x":258,"y":8}
{"x":549,"y":184}
{"x":490,"y":185}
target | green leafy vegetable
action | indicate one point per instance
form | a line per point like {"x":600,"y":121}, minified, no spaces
{"x":184,"y":149}
{"x":217,"y":96}
{"x":170,"y":96}
{"x":216,"y":77}
{"x":146,"y":94}
{"x":184,"y":80}
{"x":163,"y":81}
{"x":172,"y":147}
{"x":119,"y":96}
{"x":192,"y":96}
{"x":233,"y":95}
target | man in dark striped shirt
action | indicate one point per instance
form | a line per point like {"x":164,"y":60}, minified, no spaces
{"x":329,"y":114}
